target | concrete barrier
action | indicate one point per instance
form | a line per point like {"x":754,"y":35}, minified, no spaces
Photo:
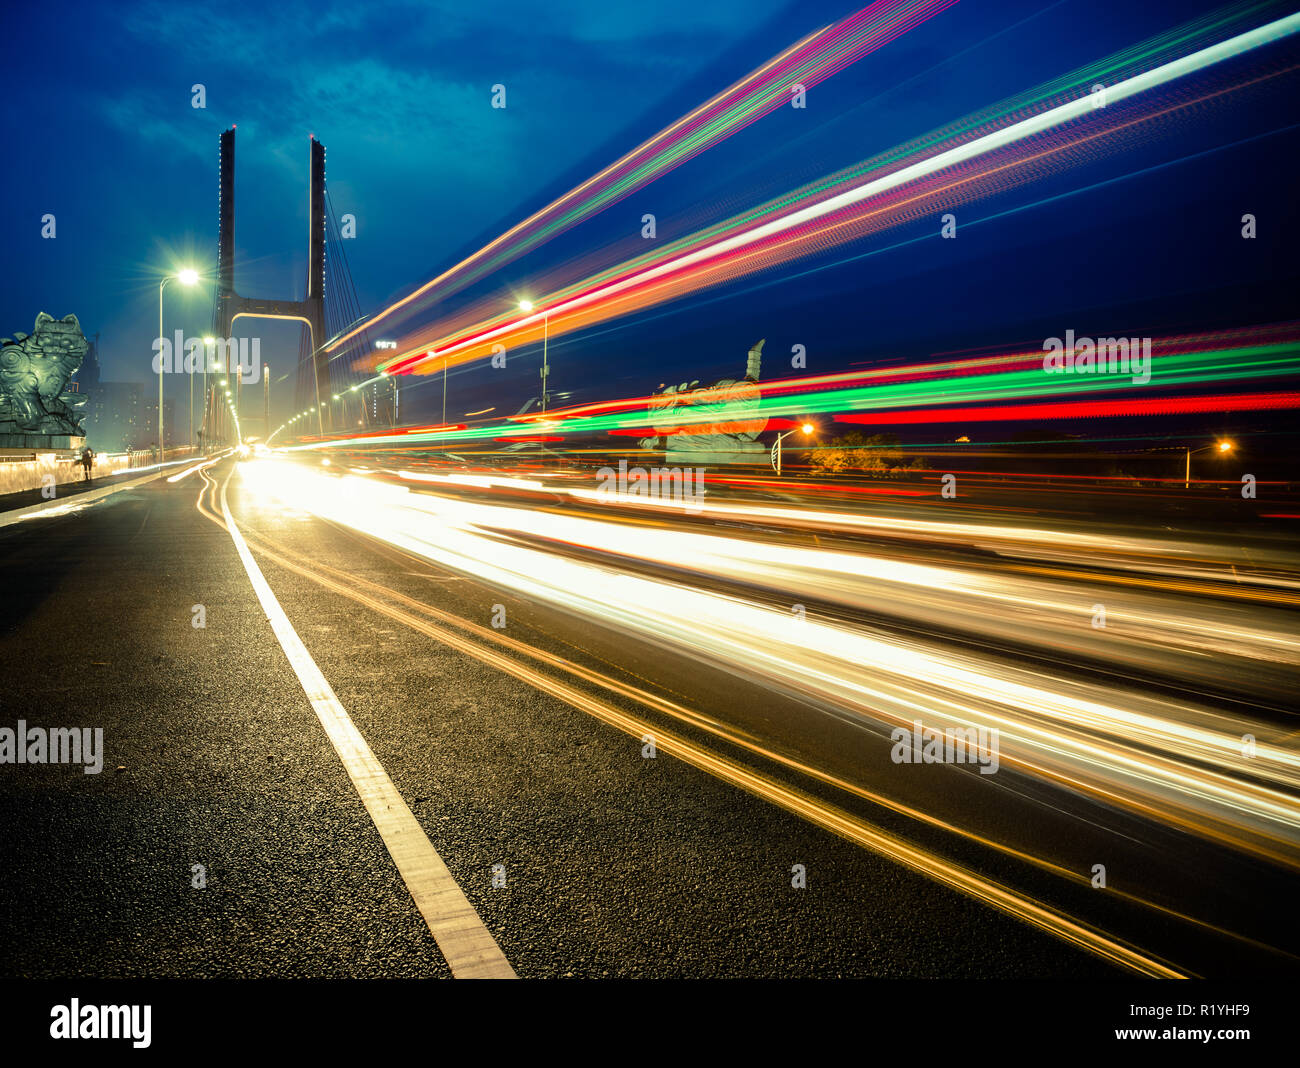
{"x":21,"y":471}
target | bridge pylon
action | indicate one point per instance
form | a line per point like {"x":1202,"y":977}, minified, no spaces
{"x":231,"y":305}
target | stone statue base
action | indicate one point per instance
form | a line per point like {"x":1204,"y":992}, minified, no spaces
{"x":41,"y":442}
{"x":729,"y":452}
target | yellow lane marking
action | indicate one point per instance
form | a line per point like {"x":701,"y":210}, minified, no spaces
{"x":814,"y":810}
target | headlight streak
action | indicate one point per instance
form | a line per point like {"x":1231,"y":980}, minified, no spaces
{"x":814,"y":810}
{"x":1031,"y":611}
{"x":190,"y":470}
{"x":1171,"y":761}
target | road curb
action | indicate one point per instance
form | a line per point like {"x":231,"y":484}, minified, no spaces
{"x":90,"y":496}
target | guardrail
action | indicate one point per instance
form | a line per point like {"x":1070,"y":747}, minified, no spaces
{"x":21,"y":471}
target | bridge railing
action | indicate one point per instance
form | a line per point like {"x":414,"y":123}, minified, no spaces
{"x":20,"y":471}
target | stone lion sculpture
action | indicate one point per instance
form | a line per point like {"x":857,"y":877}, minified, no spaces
{"x":34,"y":372}
{"x":677,"y":411}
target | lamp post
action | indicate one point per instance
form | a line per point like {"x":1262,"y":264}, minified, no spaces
{"x":1219,"y":446}
{"x":224,"y":384}
{"x":527,"y":306}
{"x":806,"y":429}
{"x":361,"y":405}
{"x":208,"y":342}
{"x":234,"y":415}
{"x":186,"y":277}
{"x":392,"y":378}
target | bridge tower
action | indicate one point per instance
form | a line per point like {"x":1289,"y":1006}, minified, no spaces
{"x":231,"y":305}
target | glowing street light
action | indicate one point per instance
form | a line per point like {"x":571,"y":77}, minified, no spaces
{"x":208,"y":342}
{"x":1224,"y":446}
{"x":526,"y":306}
{"x":187,"y":277}
{"x":806,"y":429}
{"x":397,"y":395}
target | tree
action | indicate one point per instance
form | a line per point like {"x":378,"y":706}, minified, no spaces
{"x":877,"y":455}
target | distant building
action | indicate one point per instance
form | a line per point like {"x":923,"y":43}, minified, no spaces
{"x":150,"y":426}
{"x":124,"y":415}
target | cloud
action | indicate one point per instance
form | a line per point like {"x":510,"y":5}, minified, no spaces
{"x":136,"y":113}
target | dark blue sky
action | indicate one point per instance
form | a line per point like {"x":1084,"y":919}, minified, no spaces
{"x":99,"y":130}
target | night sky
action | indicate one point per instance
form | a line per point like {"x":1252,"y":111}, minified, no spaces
{"x":99,"y":130}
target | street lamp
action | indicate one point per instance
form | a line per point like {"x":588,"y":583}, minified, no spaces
{"x":397,"y":399}
{"x":187,"y":277}
{"x":806,"y":429}
{"x":1218,"y":446}
{"x":527,"y":306}
{"x":208,"y":342}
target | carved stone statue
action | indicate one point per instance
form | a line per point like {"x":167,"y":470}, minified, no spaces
{"x":732,"y":438}
{"x":34,"y":372}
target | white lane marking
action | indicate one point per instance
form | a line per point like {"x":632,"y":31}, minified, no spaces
{"x":470,"y":950}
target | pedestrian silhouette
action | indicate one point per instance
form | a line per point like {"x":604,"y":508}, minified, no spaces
{"x":87,"y":460}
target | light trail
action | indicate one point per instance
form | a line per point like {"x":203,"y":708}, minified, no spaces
{"x":1243,"y":355}
{"x":814,"y":810}
{"x":416,"y":614}
{"x":806,"y":63}
{"x":1219,"y":402}
{"x":974,"y":166}
{"x":1172,"y":761}
{"x":935,"y":377}
{"x":190,"y":470}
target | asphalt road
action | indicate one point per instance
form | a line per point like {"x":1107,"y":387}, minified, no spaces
{"x":614,"y":864}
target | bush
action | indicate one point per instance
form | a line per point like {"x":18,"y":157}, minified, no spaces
{"x":876,"y":455}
